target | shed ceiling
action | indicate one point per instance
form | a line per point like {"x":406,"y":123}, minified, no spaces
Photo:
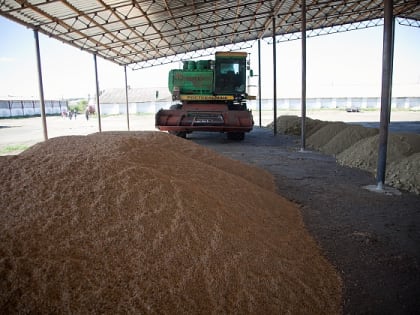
{"x":143,"y":33}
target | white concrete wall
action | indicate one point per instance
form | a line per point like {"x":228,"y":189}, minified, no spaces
{"x":409,"y":103}
{"x":134,"y":108}
{"x":13,"y":108}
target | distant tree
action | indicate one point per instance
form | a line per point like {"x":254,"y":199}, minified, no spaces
{"x":80,"y":107}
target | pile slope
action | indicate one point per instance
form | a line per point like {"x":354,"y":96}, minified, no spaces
{"x":146,"y":222}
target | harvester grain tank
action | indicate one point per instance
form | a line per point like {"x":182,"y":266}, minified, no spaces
{"x":209,"y":95}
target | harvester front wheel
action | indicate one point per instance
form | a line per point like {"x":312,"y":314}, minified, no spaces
{"x":238,"y":136}
{"x":181,"y":134}
{"x":176,"y":106}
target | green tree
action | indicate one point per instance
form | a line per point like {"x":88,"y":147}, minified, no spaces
{"x":80,"y":107}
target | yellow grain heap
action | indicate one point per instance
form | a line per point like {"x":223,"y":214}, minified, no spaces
{"x":146,"y":223}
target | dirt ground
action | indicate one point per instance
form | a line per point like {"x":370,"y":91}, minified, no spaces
{"x":371,"y":238}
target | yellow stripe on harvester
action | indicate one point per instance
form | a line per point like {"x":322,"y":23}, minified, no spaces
{"x":206,"y":97}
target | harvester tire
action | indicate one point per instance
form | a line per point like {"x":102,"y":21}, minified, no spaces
{"x":181,"y":134}
{"x":238,"y":136}
{"x":175,"y":106}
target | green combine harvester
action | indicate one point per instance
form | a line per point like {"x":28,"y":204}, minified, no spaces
{"x":209,"y":95}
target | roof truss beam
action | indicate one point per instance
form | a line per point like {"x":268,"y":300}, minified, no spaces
{"x":131,"y":31}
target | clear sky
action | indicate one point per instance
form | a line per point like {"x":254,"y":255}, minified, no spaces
{"x":344,"y":64}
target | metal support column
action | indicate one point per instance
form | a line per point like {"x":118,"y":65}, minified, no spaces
{"x":41,"y":87}
{"x":303,"y":124}
{"x":387,"y":68}
{"x":274,"y":77}
{"x":126,"y":98}
{"x":259,"y":79}
{"x":97,"y":93}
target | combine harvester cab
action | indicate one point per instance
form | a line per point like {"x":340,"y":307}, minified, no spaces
{"x":209,"y":96}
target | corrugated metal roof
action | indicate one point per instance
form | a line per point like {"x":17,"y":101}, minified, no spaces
{"x":144,"y":33}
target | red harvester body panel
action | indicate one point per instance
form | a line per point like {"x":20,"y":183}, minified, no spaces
{"x":204,"y":117}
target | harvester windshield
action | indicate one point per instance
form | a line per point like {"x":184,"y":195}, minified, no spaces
{"x":230,"y":75}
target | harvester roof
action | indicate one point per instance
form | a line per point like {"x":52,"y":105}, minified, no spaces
{"x":231,"y":54}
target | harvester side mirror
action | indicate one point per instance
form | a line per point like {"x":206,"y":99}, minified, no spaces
{"x":251,"y":73}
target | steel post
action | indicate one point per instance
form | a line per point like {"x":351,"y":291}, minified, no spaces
{"x":387,"y":68}
{"x":97,"y":93}
{"x":126,"y":98}
{"x":41,"y":87}
{"x":259,"y":79}
{"x":274,"y":78}
{"x":303,"y":124}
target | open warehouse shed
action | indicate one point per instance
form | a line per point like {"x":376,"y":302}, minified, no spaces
{"x":219,"y":241}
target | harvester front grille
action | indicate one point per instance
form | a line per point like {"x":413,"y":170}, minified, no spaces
{"x":205,"y":118}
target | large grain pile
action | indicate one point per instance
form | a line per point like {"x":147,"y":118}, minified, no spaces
{"x":405,"y":173}
{"x":325,"y":134}
{"x":357,"y":146}
{"x":346,"y":137}
{"x":151,"y":223}
{"x":364,"y":153}
{"x":291,"y":125}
